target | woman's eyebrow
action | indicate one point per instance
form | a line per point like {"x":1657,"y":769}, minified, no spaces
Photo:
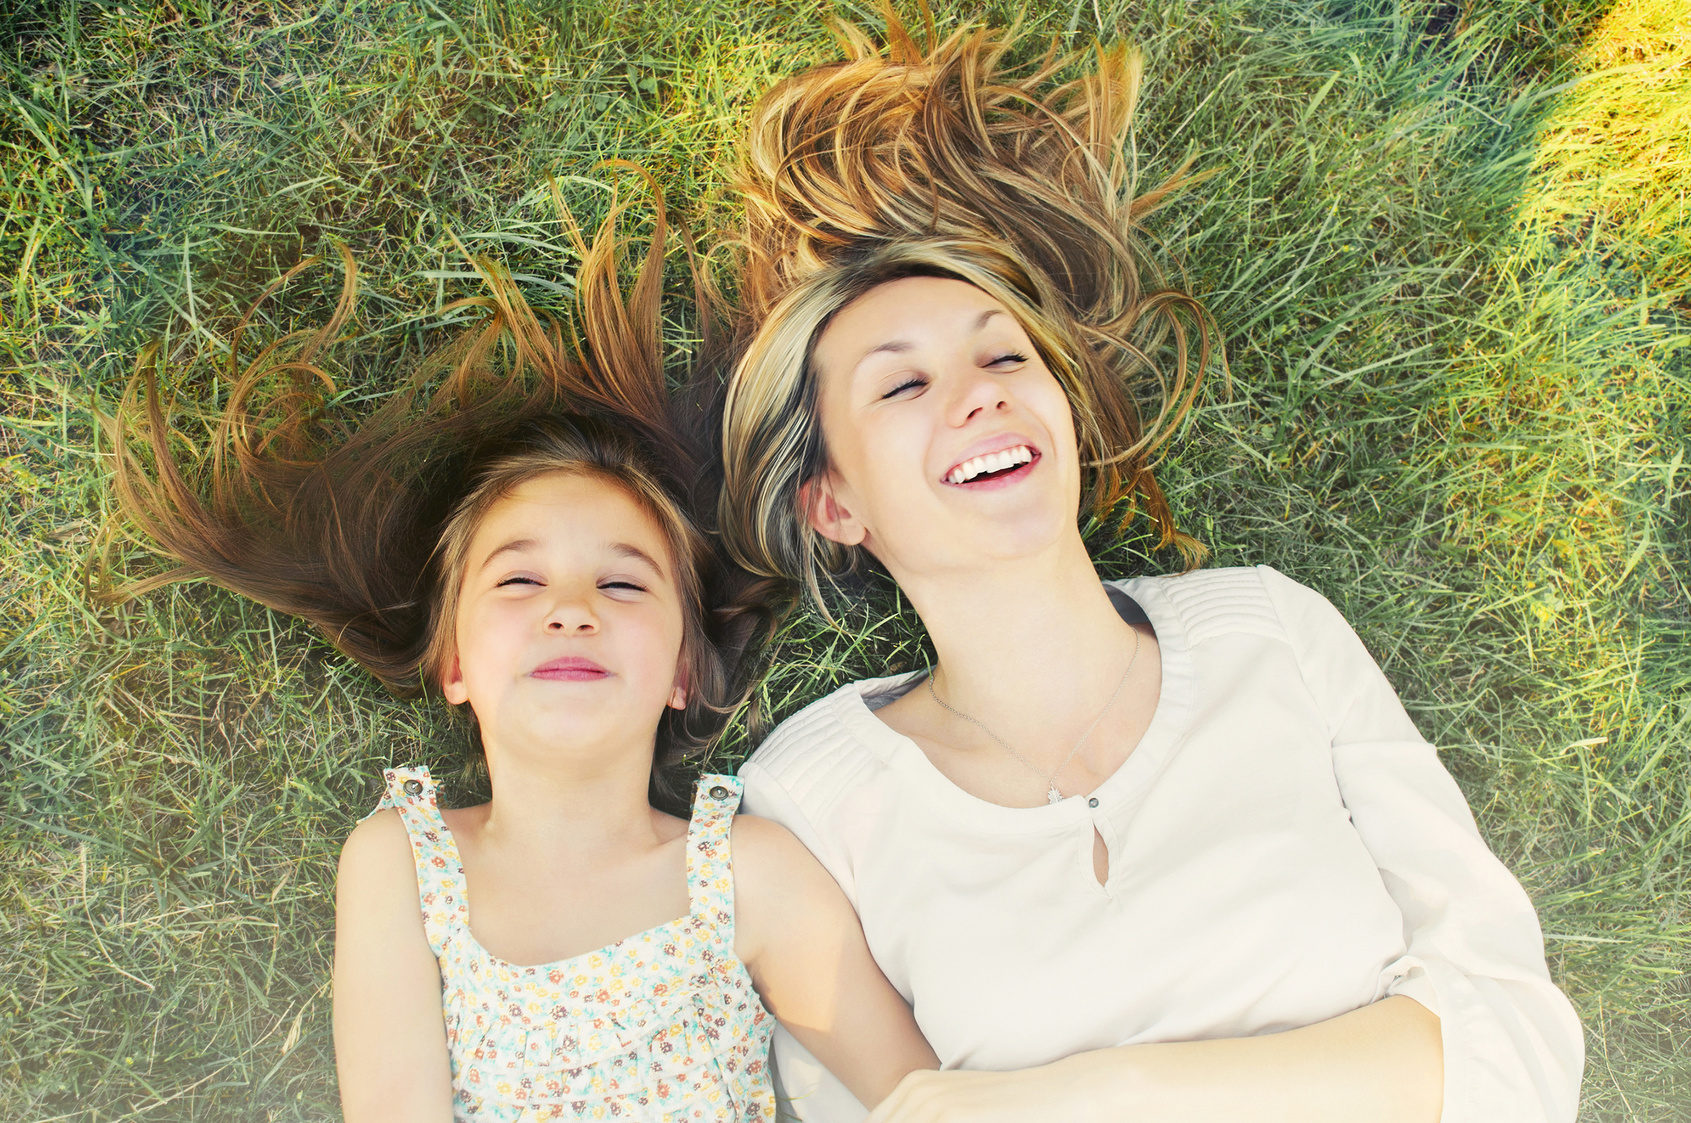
{"x":897,"y":346}
{"x":894,"y":345}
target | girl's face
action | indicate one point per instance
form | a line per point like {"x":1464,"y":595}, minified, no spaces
{"x":569,"y":619}
{"x":950,"y":442}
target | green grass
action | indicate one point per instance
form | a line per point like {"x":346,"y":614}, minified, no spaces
{"x":1457,"y":296}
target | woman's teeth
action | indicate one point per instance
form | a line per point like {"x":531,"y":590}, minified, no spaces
{"x":991,"y":462}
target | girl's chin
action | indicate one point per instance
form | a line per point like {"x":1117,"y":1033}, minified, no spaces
{"x":561,"y":735}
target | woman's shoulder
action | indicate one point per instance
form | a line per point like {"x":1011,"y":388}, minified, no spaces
{"x":1254,"y":599}
{"x":818,"y":755}
{"x":840,"y":723}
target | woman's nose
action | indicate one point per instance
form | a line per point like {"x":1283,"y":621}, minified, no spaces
{"x":975,"y":392}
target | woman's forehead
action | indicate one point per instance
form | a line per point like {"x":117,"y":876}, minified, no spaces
{"x":904,"y":314}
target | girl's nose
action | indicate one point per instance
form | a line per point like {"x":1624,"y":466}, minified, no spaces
{"x":573,"y":616}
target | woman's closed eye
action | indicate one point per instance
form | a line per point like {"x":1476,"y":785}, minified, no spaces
{"x":1009,"y":358}
{"x":905,"y":384}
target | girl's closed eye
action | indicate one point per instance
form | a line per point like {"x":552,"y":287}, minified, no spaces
{"x":624,"y":584}
{"x":518,"y":579}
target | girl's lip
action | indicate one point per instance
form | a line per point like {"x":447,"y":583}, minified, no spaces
{"x":571,"y":668}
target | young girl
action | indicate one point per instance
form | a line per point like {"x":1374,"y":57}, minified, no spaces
{"x":517,"y":541}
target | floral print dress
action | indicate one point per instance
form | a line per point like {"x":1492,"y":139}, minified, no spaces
{"x":663,"y":1025}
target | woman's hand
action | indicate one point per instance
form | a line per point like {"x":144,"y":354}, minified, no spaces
{"x":926,"y":1096}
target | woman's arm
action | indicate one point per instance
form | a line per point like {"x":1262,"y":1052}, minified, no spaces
{"x":1513,"y":1046}
{"x":802,"y":943}
{"x":1382,"y":1063}
{"x":390,"y":1037}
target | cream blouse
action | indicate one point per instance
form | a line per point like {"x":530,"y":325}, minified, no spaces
{"x":1283,"y":848}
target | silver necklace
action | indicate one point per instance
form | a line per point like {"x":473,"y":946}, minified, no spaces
{"x":1052,"y":795}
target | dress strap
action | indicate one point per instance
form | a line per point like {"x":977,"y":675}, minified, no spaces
{"x":710,"y":866}
{"x":440,"y":872}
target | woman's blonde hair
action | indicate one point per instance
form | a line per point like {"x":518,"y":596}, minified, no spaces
{"x":951,"y":162}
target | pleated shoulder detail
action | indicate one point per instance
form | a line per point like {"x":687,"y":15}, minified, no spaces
{"x":1219,"y":602}
{"x":817,"y":756}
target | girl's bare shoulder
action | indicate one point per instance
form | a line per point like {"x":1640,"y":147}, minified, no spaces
{"x":376,"y":854}
{"x":770,"y":863}
{"x":376,"y":886}
{"x":763,"y":840}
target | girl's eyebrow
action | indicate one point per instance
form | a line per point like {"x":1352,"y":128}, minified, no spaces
{"x":516,"y":544}
{"x":621,"y":549}
{"x":624,"y":549}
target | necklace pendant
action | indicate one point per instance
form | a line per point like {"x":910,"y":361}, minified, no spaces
{"x":1053,"y":795}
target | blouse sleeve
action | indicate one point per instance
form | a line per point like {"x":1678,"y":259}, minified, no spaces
{"x":1513,"y":1048}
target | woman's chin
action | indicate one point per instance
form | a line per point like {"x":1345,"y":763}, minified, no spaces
{"x":985,"y":549}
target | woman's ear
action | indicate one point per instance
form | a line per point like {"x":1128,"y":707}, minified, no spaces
{"x":452,"y":686}
{"x":828,"y":516}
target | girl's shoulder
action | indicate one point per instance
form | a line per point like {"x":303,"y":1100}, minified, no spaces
{"x":378,"y":840}
{"x":763,"y":849}
{"x":376,"y":883}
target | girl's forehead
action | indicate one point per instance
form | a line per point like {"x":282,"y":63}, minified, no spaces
{"x":573,"y":508}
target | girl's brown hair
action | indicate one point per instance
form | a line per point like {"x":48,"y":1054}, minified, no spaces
{"x":951,"y":162}
{"x":360,"y":525}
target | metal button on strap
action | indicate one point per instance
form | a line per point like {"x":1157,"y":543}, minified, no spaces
{"x":1093,"y":802}
{"x":413,"y":787}
{"x":719,"y":792}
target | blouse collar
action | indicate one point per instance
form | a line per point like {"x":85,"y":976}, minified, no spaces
{"x":853,"y":706}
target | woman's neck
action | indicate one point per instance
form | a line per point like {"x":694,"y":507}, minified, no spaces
{"x":1029,"y":647}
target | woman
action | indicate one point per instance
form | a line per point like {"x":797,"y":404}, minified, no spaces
{"x":1164,"y":849}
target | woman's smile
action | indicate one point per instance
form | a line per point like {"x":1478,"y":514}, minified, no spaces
{"x":1002,"y":465}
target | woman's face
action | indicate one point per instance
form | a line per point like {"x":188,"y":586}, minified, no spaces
{"x":569,"y":620}
{"x":950,"y":442}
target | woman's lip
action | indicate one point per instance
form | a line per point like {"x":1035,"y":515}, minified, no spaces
{"x":1003,"y":442}
{"x":570,"y":669}
{"x":1008,"y":479}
